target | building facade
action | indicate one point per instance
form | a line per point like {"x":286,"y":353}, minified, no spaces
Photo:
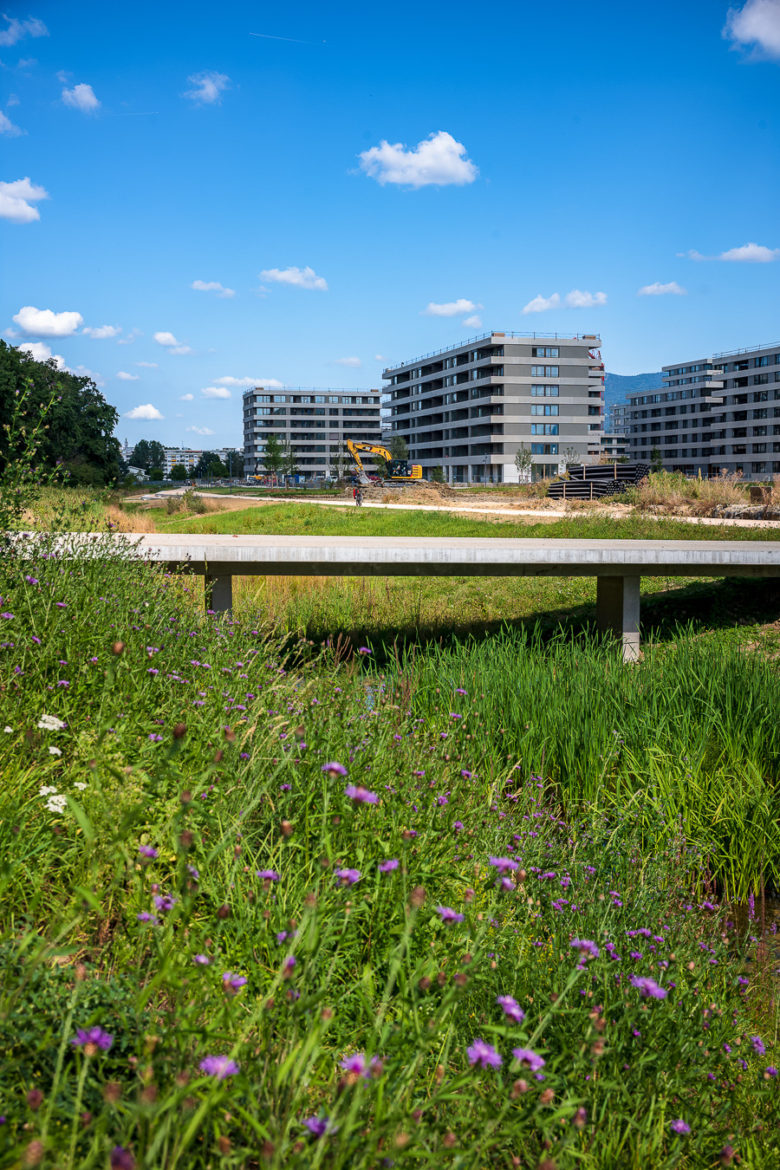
{"x":314,"y":424}
{"x":471,"y":408}
{"x":712,"y":416}
{"x":614,"y":446}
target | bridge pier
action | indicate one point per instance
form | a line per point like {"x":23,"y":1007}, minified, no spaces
{"x":617,"y":612}
{"x":219,"y":593}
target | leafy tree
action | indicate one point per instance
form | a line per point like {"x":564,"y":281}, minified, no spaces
{"x":437,"y":475}
{"x":234,"y":462}
{"x":148,"y":453}
{"x":178,"y":472}
{"x":339,"y":461}
{"x":273,"y":455}
{"x":210,"y":466}
{"x":656,"y":460}
{"x":77,"y":434}
{"x":156,"y":474}
{"x":524,"y":463}
{"x":290,"y":464}
{"x":399,"y":448}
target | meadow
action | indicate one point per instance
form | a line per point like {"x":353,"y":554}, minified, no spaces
{"x":459,"y":896}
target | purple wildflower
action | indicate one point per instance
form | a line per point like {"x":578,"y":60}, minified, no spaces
{"x":334,"y":769}
{"x":218,"y":1066}
{"x":145,"y":916}
{"x":758,"y":1045}
{"x":529,"y":1057}
{"x":148,"y":851}
{"x":355,"y":1064}
{"x":121,"y":1159}
{"x":389,"y":865}
{"x":457,"y":826}
{"x":648,"y":987}
{"x":233,"y":983}
{"x":449,"y":915}
{"x":163,"y":902}
{"x":770,"y":1071}
{"x":201,"y":960}
{"x":680,"y":1126}
{"x":363,"y":650}
{"x":348,"y":877}
{"x":483,"y":1054}
{"x":318,"y":1126}
{"x":267,"y":875}
{"x":587,"y":949}
{"x":503,"y":864}
{"x":360,"y":795}
{"x":511,"y":1008}
{"x":94,"y":1038}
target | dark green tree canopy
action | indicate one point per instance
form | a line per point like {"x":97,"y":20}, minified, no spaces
{"x":178,"y":472}
{"x":78,"y":435}
{"x":273,"y":456}
{"x":210,"y":465}
{"x":148,"y":453}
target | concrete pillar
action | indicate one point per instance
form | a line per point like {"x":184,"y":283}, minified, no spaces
{"x":617,"y":611}
{"x":219,"y":594}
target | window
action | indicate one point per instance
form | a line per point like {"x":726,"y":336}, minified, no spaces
{"x":544,"y":448}
{"x":544,"y":428}
{"x":544,"y":371}
{"x":548,"y":408}
{"x":545,"y":351}
{"x":544,"y":391}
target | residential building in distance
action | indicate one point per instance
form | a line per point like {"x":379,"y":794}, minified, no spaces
{"x":189,"y":456}
{"x":471,"y":408}
{"x":614,"y":446}
{"x":617,"y":418}
{"x":713,"y":415}
{"x":313,"y":423}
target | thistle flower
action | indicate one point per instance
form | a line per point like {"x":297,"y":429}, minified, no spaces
{"x":511,"y":1008}
{"x":758,"y":1045}
{"x":680,"y":1126}
{"x":92,"y":1039}
{"x":218,"y":1066}
{"x":587,"y":949}
{"x":648,"y":987}
{"x":389,"y":865}
{"x":529,"y":1057}
{"x":148,"y":851}
{"x":318,"y":1126}
{"x":360,"y":795}
{"x":233,"y":983}
{"x":267,"y":875}
{"x":164,"y":902}
{"x":448,"y":914}
{"x":483,"y":1054}
{"x":348,"y":877}
{"x":503,"y":864}
{"x":334,"y":769}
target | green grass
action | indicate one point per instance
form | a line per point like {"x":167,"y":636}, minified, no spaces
{"x":292,"y":519}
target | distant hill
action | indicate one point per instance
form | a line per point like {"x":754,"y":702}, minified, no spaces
{"x":616,"y":386}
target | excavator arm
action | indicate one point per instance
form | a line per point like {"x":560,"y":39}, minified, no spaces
{"x":399,"y":471}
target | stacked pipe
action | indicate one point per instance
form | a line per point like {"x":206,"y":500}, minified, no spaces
{"x":594,"y":482}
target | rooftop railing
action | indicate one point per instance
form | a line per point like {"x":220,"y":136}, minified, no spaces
{"x":593,"y":339}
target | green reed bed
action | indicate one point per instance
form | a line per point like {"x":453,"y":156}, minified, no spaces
{"x":270,"y":905}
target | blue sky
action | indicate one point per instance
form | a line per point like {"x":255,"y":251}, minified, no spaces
{"x":374,"y":183}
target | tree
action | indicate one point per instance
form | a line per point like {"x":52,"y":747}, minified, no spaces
{"x":437,"y":475}
{"x":178,"y":472}
{"x":656,"y":460}
{"x":234,"y":462}
{"x":156,"y":474}
{"x":77,"y":435}
{"x":399,"y":448}
{"x":339,"y":461}
{"x":570,"y":457}
{"x":273,"y":455}
{"x":523,"y":463}
{"x":289,"y":464}
{"x":148,"y":454}
{"x":210,"y":466}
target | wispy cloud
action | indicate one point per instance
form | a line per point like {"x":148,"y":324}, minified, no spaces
{"x":541,"y":304}
{"x":81,"y":97}
{"x":16,"y":30}
{"x":148,"y":412}
{"x":169,"y":342}
{"x":148,"y":365}
{"x":17,"y":198}
{"x":437,"y":161}
{"x":661,"y":290}
{"x":267,"y":383}
{"x":297,"y":277}
{"x":745,"y":254}
{"x":9,"y":128}
{"x":213,"y":286}
{"x":201,"y":430}
{"x":46,"y":323}
{"x":207,"y":87}
{"x":186,"y":398}
{"x":100,"y":332}
{"x":353,"y":362}
{"x":576,"y":299}
{"x":755,"y":26}
{"x":473,"y":322}
{"x":216,"y":392}
{"x":449,"y":308}
{"x":123,"y":376}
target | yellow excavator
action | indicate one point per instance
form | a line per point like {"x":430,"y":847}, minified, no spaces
{"x":398,"y":470}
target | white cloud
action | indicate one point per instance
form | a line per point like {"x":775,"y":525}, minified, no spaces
{"x":186,"y":397}
{"x":81,"y":97}
{"x":746,"y":254}
{"x":352,"y":362}
{"x":201,"y":430}
{"x":584,"y":300}
{"x":16,"y":200}
{"x":449,"y":308}
{"x":85,"y":372}
{"x":40,"y":352}
{"x":148,"y":412}
{"x":269,"y":383}
{"x":148,"y":365}
{"x":216,"y":392}
{"x":134,"y":332}
{"x":45,"y":323}
{"x":473,"y":322}
{"x":7,"y":127}
{"x":207,"y":87}
{"x":213,"y":286}
{"x":99,"y":332}
{"x":298,"y":277}
{"x":661,"y":290}
{"x":379,"y":357}
{"x":541,"y":304}
{"x":756,"y":25}
{"x":123,"y":376}
{"x":16,"y":30}
{"x":436,"y":161}
{"x":169,"y":342}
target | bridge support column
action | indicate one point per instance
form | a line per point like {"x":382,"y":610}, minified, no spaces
{"x":219,"y":594}
{"x":617,"y":611}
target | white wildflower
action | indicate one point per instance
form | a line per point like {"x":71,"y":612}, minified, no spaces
{"x":80,"y":785}
{"x":47,"y":790}
{"x":8,"y":730}
{"x":55,"y":751}
{"x":56,"y":804}
{"x":50,"y":723}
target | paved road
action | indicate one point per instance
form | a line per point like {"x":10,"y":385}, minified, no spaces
{"x":535,"y":513}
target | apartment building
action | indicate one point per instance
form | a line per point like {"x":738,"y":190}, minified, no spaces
{"x":471,"y":408}
{"x":313,"y":423}
{"x":189,"y":456}
{"x":714,"y":415}
{"x":614,"y":446}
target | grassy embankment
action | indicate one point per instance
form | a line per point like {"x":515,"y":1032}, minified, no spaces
{"x":184,"y":872}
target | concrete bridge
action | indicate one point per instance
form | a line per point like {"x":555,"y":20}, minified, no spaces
{"x":617,"y":565}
